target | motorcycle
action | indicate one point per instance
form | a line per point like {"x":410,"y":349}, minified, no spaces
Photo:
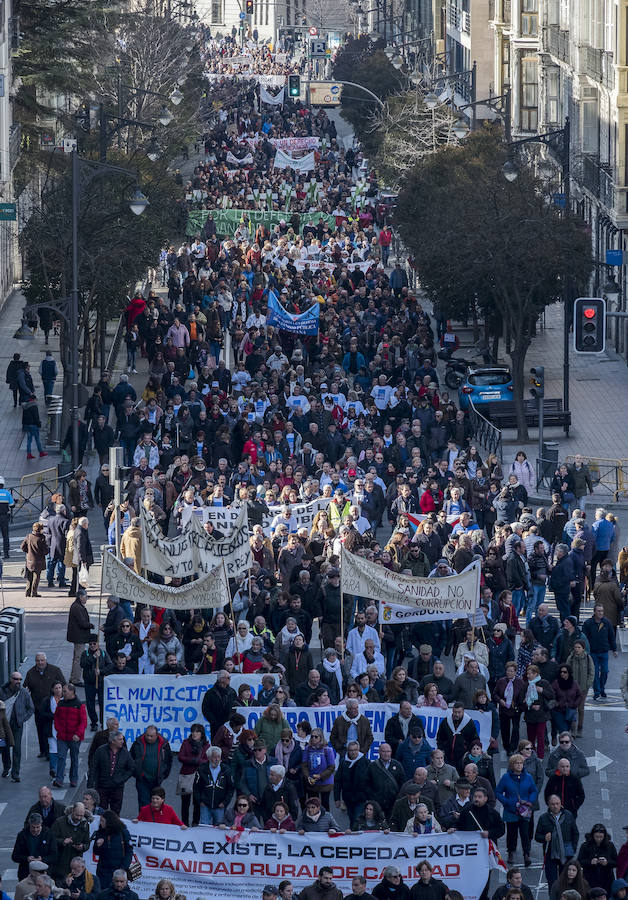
{"x":456,"y":367}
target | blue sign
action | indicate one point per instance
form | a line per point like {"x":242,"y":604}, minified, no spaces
{"x":243,"y":15}
{"x":559,"y":200}
{"x":301,"y":323}
{"x":614,"y":257}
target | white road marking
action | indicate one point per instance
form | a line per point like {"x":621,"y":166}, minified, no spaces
{"x":607,"y":814}
{"x":603,"y":776}
{"x":598,"y":734}
{"x":597,"y":717}
{"x":605,"y":795}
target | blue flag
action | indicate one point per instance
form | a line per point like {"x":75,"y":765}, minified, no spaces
{"x":303,"y":323}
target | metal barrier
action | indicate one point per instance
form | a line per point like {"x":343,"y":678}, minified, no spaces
{"x":33,"y":492}
{"x":116,"y":344}
{"x":485,"y":433}
{"x":610,"y":475}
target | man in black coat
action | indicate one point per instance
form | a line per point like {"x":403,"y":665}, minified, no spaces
{"x":478,"y":816}
{"x":119,"y":889}
{"x":384,"y":779}
{"x":110,"y":770}
{"x":455,"y":733}
{"x":39,"y":681}
{"x":57,"y":528}
{"x":219,"y":702}
{"x":34,"y":841}
{"x":78,"y":632}
{"x":279,"y":788}
{"x":48,"y":808}
{"x":544,"y":627}
{"x":398,"y":726}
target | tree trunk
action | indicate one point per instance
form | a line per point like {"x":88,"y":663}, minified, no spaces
{"x":517,"y":357}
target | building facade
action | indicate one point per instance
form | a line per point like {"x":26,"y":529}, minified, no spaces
{"x":9,"y":148}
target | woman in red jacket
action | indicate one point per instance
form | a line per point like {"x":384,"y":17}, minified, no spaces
{"x":193,"y":752}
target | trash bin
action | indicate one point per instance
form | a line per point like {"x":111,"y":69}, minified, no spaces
{"x":4,"y":659}
{"x":20,"y":612}
{"x":7,"y":618}
{"x":549,"y":462}
{"x":54,"y":413}
{"x":9,"y":633}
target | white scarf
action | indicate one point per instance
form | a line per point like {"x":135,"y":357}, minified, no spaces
{"x":335,"y":668}
{"x":352,"y":762}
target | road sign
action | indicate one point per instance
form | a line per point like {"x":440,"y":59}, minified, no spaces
{"x":243,"y":15}
{"x":8,"y":212}
{"x":318,"y":48}
{"x":614,"y":257}
{"x":325,"y":93}
{"x":313,"y":31}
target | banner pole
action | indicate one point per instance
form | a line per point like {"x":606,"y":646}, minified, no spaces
{"x":103,"y":550}
{"x":235,"y":630}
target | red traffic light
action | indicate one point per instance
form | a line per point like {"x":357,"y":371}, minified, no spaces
{"x":589,"y":312}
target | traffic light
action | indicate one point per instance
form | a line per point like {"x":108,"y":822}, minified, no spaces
{"x":537,"y":381}
{"x":294,"y":85}
{"x":83,"y":117}
{"x":249,"y":7}
{"x":589,"y":318}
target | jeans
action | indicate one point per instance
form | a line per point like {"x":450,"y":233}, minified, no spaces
{"x":49,"y":387}
{"x":143,"y":791}
{"x":600,"y":662}
{"x":538,"y":596}
{"x":56,"y":565}
{"x":130,"y":357}
{"x":4,"y":530}
{"x":560,"y":720}
{"x":553,"y":868}
{"x":62,"y":752}
{"x":354,"y":810}
{"x":211,"y":816}
{"x":518,"y":599}
{"x":385,"y":254}
{"x":91,"y":693}
{"x":15,"y":754}
{"x":32,"y":431}
{"x":129,"y":450}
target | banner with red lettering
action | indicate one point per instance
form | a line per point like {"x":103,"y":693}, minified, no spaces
{"x":235,"y":865}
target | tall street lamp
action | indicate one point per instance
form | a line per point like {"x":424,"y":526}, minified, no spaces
{"x":559,"y":141}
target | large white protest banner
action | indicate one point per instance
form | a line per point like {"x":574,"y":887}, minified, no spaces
{"x":194,"y":550}
{"x":226,"y":517}
{"x":265,"y":96}
{"x":308,"y":142}
{"x":226,"y":865}
{"x":378,"y":715}
{"x":283,"y":160}
{"x":209,"y":591}
{"x":453,"y":597}
{"x":171,"y":703}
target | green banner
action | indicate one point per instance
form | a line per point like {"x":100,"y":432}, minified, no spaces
{"x":227,"y":220}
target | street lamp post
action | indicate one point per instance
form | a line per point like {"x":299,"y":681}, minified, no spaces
{"x":558,"y":140}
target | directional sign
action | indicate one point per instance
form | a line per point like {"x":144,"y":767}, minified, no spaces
{"x":8,"y":212}
{"x":243,"y":15}
{"x":599,"y":761}
{"x":318,"y":48}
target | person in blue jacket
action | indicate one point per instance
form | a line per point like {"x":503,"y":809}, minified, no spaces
{"x":414,"y":751}
{"x":517,"y":793}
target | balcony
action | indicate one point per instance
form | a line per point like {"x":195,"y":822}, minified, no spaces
{"x":555,"y":41}
{"x":15,"y":138}
{"x":598,"y":180}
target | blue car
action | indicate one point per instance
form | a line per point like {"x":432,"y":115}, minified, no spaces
{"x":485,"y":384}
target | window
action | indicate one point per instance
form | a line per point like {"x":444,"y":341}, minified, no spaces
{"x":505,"y":62}
{"x":529,"y":93}
{"x":590,"y":121}
{"x":529,"y":18}
{"x":216,"y":12}
{"x":288,"y":13}
{"x":553,"y":13}
{"x":552,"y":91}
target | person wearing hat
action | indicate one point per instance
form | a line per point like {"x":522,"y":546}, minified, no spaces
{"x":26,"y":886}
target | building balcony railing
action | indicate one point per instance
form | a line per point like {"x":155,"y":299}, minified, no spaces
{"x":555,"y":41}
{"x":598,"y":180}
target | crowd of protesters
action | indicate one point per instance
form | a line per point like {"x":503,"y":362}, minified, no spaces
{"x":355,"y":415}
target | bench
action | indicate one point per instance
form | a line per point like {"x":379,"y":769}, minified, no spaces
{"x":502,"y":415}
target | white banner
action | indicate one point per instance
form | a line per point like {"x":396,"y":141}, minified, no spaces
{"x":227,"y":865}
{"x":171,"y":703}
{"x":226,"y":517}
{"x":270,"y":80}
{"x":308,"y":142}
{"x":283,"y":160}
{"x":453,"y":597}
{"x":271,"y":99}
{"x":194,"y":550}
{"x":377,"y":713}
{"x":243,"y":161}
{"x":209,"y":591}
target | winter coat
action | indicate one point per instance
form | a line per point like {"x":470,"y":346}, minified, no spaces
{"x":62,"y":829}
{"x":218,"y":703}
{"x":131,"y":547}
{"x":70,"y":719}
{"x":412,"y":756}
{"x":518,"y":694}
{"x":100,"y":774}
{"x":79,"y":628}
{"x":568,"y":698}
{"x":36,"y":548}
{"x":160,"y":648}
{"x":455,"y":741}
{"x":58,"y":527}
{"x":42,"y":845}
{"x":385,"y":783}
{"x":544,"y":703}
{"x":164,"y":758}
{"x":319,"y":761}
{"x":23,"y":707}
{"x":213,"y":794}
{"x":583,"y":671}
{"x":547,"y":825}
{"x":498,"y":655}
{"x":115,"y":853}
{"x":513,"y":788}
{"x":598,"y":876}
{"x":393,"y":733}
{"x":577,"y":759}
{"x":340,"y":729}
{"x":270,"y":731}
{"x":568,"y":788}
{"x":286,"y":792}
{"x":601,"y":635}
{"x":545,"y":635}
{"x":351,"y":781}
{"x":607,"y":592}
{"x":433,"y":890}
